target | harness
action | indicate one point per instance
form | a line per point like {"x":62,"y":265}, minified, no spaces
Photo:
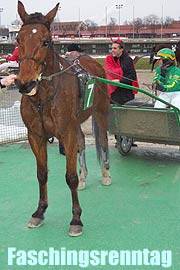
{"x":82,"y":77}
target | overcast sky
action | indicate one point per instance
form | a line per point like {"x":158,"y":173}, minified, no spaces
{"x":93,"y":9}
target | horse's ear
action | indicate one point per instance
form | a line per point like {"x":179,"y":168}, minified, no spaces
{"x":51,"y":14}
{"x":22,"y":12}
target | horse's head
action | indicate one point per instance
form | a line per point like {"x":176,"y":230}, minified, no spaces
{"x":34,"y":41}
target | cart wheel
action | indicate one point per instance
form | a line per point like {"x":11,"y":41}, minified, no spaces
{"x":124,"y":144}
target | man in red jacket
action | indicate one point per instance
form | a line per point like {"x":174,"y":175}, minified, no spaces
{"x":120,"y":67}
{"x":12,"y":61}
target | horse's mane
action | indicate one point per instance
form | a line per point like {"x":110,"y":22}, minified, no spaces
{"x":37,"y":18}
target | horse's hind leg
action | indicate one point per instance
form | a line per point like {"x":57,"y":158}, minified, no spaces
{"x":106,"y":178}
{"x":71,"y":148}
{"x":39,"y":148}
{"x":100,"y":132}
{"x":82,"y":160}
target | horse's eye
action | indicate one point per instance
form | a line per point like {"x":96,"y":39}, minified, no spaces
{"x":45,"y":43}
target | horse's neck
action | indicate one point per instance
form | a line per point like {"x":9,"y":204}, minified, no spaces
{"x":52,"y":65}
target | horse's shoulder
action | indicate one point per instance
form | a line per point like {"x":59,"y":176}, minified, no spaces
{"x":88,"y":59}
{"x":85,"y":57}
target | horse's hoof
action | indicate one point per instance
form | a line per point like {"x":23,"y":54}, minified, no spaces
{"x":81,"y":185}
{"x":75,"y":230}
{"x":35,"y":222}
{"x":106,"y":181}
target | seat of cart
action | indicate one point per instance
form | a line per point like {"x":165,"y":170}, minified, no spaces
{"x":145,"y":124}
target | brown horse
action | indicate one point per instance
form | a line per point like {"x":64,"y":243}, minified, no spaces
{"x":155,"y":49}
{"x":52,"y":106}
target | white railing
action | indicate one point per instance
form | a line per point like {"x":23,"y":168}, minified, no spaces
{"x":12,"y":128}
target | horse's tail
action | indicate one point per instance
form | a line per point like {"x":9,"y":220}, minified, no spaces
{"x":96,"y":135}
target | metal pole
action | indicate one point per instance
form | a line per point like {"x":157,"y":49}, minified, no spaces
{"x":1,"y":10}
{"x":106,"y":22}
{"x":133,"y":22}
{"x":119,"y":22}
{"x":119,"y":7}
{"x":79,"y":14}
{"x":162,"y":22}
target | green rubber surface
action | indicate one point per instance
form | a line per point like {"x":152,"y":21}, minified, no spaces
{"x":140,"y":211}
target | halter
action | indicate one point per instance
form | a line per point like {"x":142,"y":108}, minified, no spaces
{"x":33,"y":20}
{"x":42,"y":63}
{"x":31,"y":58}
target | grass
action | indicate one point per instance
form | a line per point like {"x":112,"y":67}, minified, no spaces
{"x":142,"y":63}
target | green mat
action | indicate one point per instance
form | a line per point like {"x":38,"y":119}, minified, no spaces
{"x":131,"y":225}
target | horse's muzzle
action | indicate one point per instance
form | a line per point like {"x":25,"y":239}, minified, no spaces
{"x":29,"y":88}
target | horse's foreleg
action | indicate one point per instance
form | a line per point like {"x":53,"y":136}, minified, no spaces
{"x":71,"y":149}
{"x":82,"y":160}
{"x":39,"y":148}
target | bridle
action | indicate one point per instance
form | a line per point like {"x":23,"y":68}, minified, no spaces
{"x":42,"y":63}
{"x":47,"y":43}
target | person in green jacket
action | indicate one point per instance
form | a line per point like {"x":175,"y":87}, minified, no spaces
{"x":167,"y":79}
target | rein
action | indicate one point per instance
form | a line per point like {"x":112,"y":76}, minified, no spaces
{"x":50,"y":77}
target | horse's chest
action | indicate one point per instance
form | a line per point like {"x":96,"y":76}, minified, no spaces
{"x":37,"y":118}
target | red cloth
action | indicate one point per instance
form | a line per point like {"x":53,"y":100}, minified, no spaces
{"x":14,"y":56}
{"x":114,"y":71}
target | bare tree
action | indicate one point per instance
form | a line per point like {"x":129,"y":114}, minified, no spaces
{"x":90,"y":23}
{"x":81,"y":27}
{"x":91,"y":26}
{"x":168,"y":21}
{"x":111,"y":25}
{"x":138,"y":24}
{"x":16,"y":22}
{"x":113,"y":21}
{"x":152,"y":20}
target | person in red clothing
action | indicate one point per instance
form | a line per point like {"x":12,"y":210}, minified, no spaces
{"x":120,"y":68}
{"x":12,"y":61}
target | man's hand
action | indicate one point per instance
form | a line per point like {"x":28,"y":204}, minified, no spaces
{"x":159,"y":87}
{"x":8,"y":80}
{"x":115,"y":80}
